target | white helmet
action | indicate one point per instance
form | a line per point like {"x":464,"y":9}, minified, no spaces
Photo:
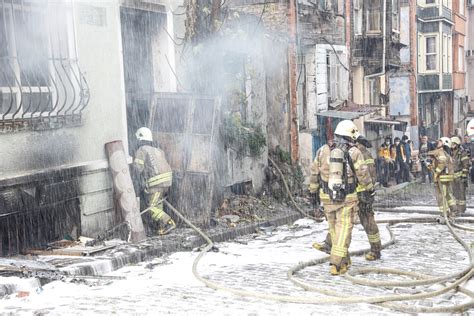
{"x":347,"y":128}
{"x":470,"y":128}
{"x":455,"y":140}
{"x":446,"y":141}
{"x":144,"y":133}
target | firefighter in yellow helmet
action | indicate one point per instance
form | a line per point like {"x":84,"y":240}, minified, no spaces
{"x":155,"y":177}
{"x":462,"y":161}
{"x":441,"y":165}
{"x":338,"y":172}
{"x":365,"y":209}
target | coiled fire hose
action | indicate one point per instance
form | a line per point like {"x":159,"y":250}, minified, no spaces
{"x":337,"y":298}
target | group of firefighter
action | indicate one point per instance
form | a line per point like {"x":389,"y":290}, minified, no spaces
{"x":343,"y":179}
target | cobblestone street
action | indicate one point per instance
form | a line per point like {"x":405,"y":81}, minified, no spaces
{"x":256,"y":262}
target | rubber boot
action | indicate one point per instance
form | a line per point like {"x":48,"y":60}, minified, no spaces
{"x":322,"y":247}
{"x":371,"y":256}
{"x":167,"y":227}
{"x":335,"y":270}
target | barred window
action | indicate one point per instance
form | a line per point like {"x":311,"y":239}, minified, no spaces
{"x":39,"y":74}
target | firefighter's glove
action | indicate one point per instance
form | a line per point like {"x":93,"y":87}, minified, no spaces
{"x":367,"y":196}
{"x":315,"y":200}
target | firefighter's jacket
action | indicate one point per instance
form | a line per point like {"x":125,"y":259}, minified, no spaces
{"x":442,"y":167}
{"x":461,"y":162}
{"x":369,"y":161}
{"x":319,"y":177}
{"x":384,"y":153}
{"x":154,"y":170}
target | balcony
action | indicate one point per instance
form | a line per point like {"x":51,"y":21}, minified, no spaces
{"x":447,"y":81}
{"x":434,"y":13}
{"x":435,"y":82}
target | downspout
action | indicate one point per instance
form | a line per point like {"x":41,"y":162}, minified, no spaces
{"x":348,"y":37}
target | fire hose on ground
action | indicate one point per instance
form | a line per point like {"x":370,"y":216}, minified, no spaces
{"x":457,"y":279}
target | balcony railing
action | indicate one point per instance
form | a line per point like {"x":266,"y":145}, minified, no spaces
{"x":447,"y":81}
{"x":431,"y":13}
{"x":434,"y":82}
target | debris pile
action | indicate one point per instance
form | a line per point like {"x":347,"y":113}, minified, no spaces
{"x":293,"y":176}
{"x":245,"y":209}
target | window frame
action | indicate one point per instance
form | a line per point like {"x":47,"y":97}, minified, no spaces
{"x":358,"y":17}
{"x":370,"y":9}
{"x":462,"y":7}
{"x":396,"y":15}
{"x":461,"y":62}
{"x":375,"y":87}
{"x":425,"y":54}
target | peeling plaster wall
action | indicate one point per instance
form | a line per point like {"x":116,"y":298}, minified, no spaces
{"x":77,"y":153}
{"x":399,"y":96}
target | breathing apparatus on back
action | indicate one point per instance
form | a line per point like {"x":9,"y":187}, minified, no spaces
{"x":339,"y":160}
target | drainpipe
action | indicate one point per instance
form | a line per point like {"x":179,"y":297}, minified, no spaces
{"x":294,"y":143}
{"x":413,"y":63}
{"x":348,"y":37}
{"x":384,"y":44}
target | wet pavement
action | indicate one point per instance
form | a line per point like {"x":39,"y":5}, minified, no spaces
{"x":256,"y":262}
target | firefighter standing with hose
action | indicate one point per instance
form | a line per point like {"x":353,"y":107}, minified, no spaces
{"x":462,"y":163}
{"x":443,"y":175}
{"x":365,"y":209}
{"x":336,"y":172}
{"x":155,"y":178}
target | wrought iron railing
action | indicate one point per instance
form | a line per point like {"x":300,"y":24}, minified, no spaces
{"x":41,"y":83}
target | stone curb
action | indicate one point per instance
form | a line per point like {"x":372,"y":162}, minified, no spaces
{"x":103,"y":265}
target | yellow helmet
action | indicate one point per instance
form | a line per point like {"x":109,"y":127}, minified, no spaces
{"x":470,"y":128}
{"x":455,"y":140}
{"x":347,"y":128}
{"x":446,"y":141}
{"x":144,"y":133}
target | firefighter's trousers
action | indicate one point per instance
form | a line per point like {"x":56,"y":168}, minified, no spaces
{"x":340,"y":218}
{"x":156,"y":208}
{"x":445,"y":197}
{"x":459,"y":192}
{"x":367,"y":220}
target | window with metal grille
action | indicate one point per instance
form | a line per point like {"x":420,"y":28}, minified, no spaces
{"x":40,"y":80}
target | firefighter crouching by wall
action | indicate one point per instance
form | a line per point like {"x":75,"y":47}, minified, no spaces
{"x":365,"y":209}
{"x":336,"y":172}
{"x":155,"y":177}
{"x":441,"y":166}
{"x":461,"y":160}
